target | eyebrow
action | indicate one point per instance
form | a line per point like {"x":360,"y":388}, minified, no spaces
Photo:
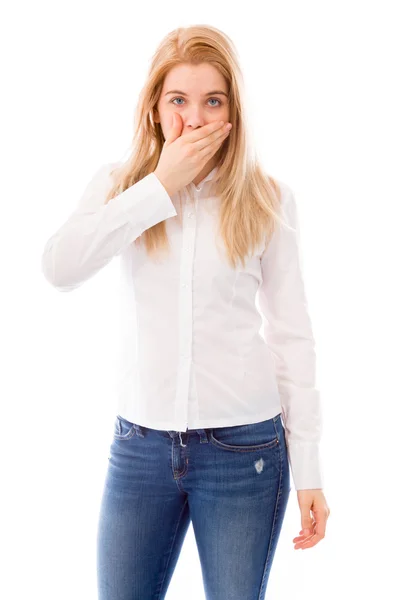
{"x":208,"y":94}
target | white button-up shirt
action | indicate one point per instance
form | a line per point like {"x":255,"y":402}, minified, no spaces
{"x":191,"y":353}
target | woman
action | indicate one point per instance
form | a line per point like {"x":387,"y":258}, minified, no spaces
{"x":210,"y":415}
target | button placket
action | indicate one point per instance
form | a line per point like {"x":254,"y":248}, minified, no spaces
{"x":186,"y":315}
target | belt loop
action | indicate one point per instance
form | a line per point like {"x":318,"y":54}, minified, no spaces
{"x":139,"y":430}
{"x":203,"y":436}
{"x":182,"y":444}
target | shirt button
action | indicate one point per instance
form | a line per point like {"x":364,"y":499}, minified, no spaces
{"x":190,"y":215}
{"x":184,"y":284}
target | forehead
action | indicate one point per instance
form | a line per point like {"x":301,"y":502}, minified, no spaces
{"x":194,"y":79}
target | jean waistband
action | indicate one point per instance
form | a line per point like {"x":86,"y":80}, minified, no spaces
{"x":183,"y":435}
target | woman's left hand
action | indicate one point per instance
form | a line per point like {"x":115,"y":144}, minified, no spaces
{"x":313,"y":528}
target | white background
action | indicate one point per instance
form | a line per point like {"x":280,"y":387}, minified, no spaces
{"x":322,"y":80}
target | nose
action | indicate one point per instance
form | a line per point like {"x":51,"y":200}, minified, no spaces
{"x":194,"y":119}
{"x":189,"y":127}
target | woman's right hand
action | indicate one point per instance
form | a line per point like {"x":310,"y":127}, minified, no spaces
{"x":184,"y":156}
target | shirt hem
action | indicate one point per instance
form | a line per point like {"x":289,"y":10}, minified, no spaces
{"x":205,"y":423}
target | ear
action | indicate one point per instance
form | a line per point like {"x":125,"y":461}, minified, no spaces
{"x":156,"y":116}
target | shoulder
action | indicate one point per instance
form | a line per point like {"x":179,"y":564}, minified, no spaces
{"x":286,"y":190}
{"x":288,"y":206}
{"x":105,"y":171}
{"x":103,"y":177}
{"x":97,"y":187}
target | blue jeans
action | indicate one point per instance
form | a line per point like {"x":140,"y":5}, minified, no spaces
{"x":232,"y":484}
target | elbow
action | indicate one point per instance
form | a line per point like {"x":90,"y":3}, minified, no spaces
{"x":56,"y":275}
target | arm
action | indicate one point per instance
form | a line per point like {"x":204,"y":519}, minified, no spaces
{"x":288,"y":333}
{"x":96,"y":232}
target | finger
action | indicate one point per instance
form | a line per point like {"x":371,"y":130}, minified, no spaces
{"x":318,"y":534}
{"x":219,"y":141}
{"x":211,"y":140}
{"x":303,"y":537}
{"x":201,"y":133}
{"x":210,"y":150}
{"x":319,"y":518}
{"x":320,"y":526}
{"x":312,"y":541}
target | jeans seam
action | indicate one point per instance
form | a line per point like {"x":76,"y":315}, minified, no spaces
{"x":276,"y":430}
{"x":262,"y":589}
{"x":231,"y":448}
{"x":172,"y":545}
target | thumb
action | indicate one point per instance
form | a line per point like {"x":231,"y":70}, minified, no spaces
{"x":306,"y":522}
{"x":176,"y":128}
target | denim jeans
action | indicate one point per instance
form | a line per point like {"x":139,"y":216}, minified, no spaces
{"x":232,"y":484}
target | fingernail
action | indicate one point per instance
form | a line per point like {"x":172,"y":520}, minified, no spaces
{"x":228,"y":126}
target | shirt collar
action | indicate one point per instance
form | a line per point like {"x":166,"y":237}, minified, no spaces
{"x":207,"y":178}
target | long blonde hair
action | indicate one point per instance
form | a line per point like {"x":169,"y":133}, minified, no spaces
{"x":249,"y":198}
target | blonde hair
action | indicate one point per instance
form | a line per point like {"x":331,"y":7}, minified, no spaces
{"x":249,"y":198}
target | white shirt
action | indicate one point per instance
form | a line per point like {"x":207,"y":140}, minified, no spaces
{"x":191,"y":353}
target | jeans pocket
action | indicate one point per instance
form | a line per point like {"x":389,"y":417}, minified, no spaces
{"x":123,"y":429}
{"x":246,"y":438}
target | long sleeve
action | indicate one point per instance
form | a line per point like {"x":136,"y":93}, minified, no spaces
{"x":96,"y":232}
{"x":289,"y":334}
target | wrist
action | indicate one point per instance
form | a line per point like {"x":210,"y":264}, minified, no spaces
{"x":165,"y":183}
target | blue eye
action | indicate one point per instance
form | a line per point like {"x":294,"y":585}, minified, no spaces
{"x":180,"y":98}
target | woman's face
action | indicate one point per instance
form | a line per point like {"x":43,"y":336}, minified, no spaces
{"x":197,"y":92}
